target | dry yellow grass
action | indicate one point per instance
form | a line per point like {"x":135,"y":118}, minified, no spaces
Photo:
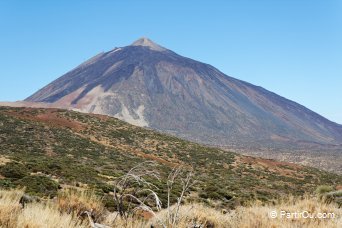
{"x":4,"y":160}
{"x":258,"y":216}
{"x":39,"y":215}
{"x":113,"y":220}
{"x":64,"y":212}
{"x":194,"y":214}
{"x":9,"y":207}
{"x":36,"y":215}
{"x":73,"y":201}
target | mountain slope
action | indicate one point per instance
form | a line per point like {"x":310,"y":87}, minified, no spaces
{"x":147,"y":85}
{"x":44,"y":148}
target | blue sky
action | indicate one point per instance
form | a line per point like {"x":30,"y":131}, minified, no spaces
{"x":291,"y":47}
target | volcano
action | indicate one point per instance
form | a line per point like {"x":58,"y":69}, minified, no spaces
{"x":151,"y":86}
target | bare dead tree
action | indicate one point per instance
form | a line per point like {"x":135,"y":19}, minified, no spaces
{"x":185,"y":178}
{"x":129,"y":186}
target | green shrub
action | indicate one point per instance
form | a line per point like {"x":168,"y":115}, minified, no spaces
{"x":14,"y":170}
{"x":106,"y":188}
{"x":322,"y":189}
{"x":109,"y":203}
{"x":6,"y":184}
{"x":335,"y":193}
{"x":335,"y":196}
{"x":215,"y":193}
{"x":39,"y":185}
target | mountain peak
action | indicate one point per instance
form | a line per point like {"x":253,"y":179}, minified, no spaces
{"x":146,"y":42}
{"x":148,"y":85}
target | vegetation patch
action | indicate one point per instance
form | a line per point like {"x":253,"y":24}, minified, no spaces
{"x":39,"y":185}
{"x":92,"y":151}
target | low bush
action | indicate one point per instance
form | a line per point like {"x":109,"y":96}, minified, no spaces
{"x":14,"y":170}
{"x":39,"y":185}
{"x":323,"y":189}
